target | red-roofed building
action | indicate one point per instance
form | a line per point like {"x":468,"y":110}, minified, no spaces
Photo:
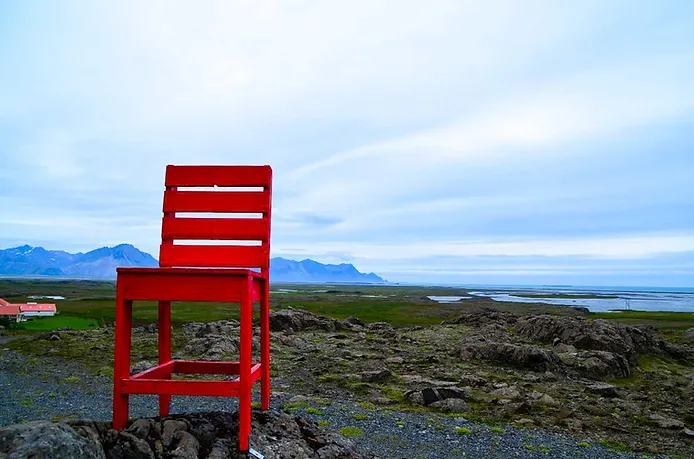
{"x":37,"y":310}
{"x":21,"y":311}
{"x":10,"y":311}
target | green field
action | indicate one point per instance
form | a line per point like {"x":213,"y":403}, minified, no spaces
{"x":92,"y":303}
{"x":58,"y":322}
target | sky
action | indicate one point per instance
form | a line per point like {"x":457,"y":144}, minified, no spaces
{"x":461,"y":141}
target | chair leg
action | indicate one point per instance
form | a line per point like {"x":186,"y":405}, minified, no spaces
{"x":265,"y":347}
{"x":164,"y":331}
{"x":121,"y":365}
{"x":245,"y":357}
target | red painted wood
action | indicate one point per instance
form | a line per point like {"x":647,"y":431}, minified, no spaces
{"x":189,"y":272}
{"x":265,"y":347}
{"x":245,"y":359}
{"x":216,"y":201}
{"x":205,"y":367}
{"x":181,"y":387}
{"x":159,"y":372}
{"x":226,"y":176}
{"x":168,"y":287}
{"x":192,"y":273}
{"x":164,"y":333}
{"x":121,"y":360}
{"x":217,"y":256}
{"x":239,"y":229}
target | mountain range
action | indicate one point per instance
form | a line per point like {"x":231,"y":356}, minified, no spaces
{"x":102,"y":263}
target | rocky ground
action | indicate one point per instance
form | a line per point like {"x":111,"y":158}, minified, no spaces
{"x":488,"y":384}
{"x":210,"y":435}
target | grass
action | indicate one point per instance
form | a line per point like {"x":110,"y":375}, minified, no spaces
{"x":89,"y":303}
{"x":351,"y":431}
{"x":360,"y":417}
{"x":57,"y":322}
{"x":314,"y":411}
{"x":614,"y":445}
{"x":366,"y":405}
{"x":463,"y":431}
{"x":663,"y":319}
{"x":295,"y":406}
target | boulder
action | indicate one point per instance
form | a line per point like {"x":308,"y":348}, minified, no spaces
{"x":431,"y":395}
{"x":47,"y":440}
{"x":600,"y":365}
{"x":604,"y":389}
{"x":212,"y":347}
{"x":296,"y":319}
{"x":219,"y":327}
{"x":506,"y":393}
{"x":485,"y":317}
{"x":276,"y":435}
{"x":666,"y":423}
{"x":139,"y":367}
{"x":518,"y":355}
{"x":452,"y":405}
{"x":689,"y":335}
{"x":376,"y":376}
{"x":597,"y":335}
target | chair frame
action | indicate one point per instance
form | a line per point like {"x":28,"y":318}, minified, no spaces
{"x":206,"y":273}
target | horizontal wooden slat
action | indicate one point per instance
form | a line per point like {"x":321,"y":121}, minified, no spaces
{"x":192,"y":284}
{"x":214,"y":256}
{"x":216,"y":201}
{"x":181,"y":387}
{"x":230,"y":229}
{"x":227,"y":176}
{"x":158,"y":372}
{"x":203,"y":367}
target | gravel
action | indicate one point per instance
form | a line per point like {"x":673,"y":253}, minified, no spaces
{"x":42,"y":388}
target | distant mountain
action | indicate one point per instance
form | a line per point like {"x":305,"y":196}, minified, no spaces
{"x":284,"y":270}
{"x":102,"y":263}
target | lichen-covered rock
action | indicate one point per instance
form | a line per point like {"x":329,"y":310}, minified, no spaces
{"x":46,"y":440}
{"x":518,"y":355}
{"x":296,"y":319}
{"x":277,"y":435}
{"x":432,"y":395}
{"x":606,"y":390}
{"x":596,"y":335}
{"x":689,"y":334}
{"x":219,"y":327}
{"x":212,"y":347}
{"x":598,"y":365}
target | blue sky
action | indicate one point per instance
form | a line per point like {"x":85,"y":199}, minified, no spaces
{"x":447,"y":141}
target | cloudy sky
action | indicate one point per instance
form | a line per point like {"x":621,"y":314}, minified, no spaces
{"x":521,"y":142}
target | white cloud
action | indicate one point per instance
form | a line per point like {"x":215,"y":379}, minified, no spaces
{"x":630,"y":247}
{"x":379,"y":117}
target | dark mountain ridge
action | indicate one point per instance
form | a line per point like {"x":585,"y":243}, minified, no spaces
{"x":102,"y":263}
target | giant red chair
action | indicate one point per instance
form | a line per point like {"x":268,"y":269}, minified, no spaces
{"x":205,"y":273}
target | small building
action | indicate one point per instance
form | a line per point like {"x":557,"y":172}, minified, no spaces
{"x":37,"y":310}
{"x":21,"y":311}
{"x":10,"y":311}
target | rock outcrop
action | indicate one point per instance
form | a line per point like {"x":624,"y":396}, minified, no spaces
{"x":276,"y":435}
{"x":517,"y":355}
{"x":594,"y":335}
{"x":289,"y":320}
{"x":47,"y":440}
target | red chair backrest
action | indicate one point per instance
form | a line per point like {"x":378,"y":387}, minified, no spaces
{"x":236,"y":232}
